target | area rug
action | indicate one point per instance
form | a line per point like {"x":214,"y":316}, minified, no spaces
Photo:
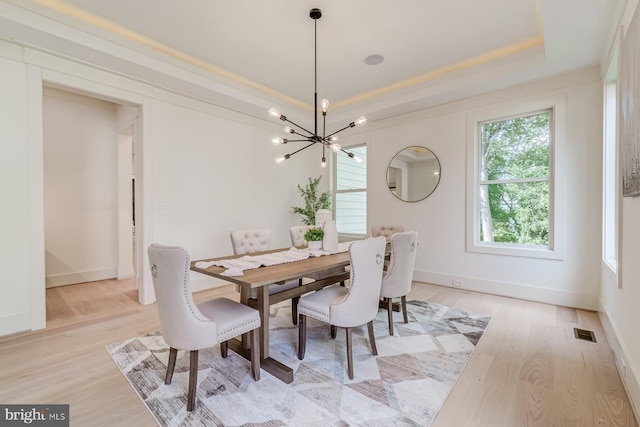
{"x":404,"y":385}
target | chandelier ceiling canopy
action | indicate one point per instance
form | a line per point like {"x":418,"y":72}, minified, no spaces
{"x":328,"y":141}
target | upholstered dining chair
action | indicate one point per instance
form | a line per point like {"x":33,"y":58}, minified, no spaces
{"x":349,"y":307}
{"x":248,"y":241}
{"x":386,"y":230}
{"x":297,"y":234}
{"x":191,"y":327}
{"x":396,"y":282}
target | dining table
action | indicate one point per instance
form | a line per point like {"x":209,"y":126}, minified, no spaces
{"x":330,"y":267}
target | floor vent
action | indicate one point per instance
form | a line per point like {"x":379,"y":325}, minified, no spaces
{"x":583,"y":334}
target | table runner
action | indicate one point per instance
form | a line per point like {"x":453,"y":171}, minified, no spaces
{"x":236,"y":266}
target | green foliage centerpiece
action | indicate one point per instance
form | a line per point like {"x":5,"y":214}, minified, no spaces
{"x":312,"y":201}
{"x":314,"y":234}
{"x":314,"y":237}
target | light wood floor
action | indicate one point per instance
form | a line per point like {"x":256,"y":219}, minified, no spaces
{"x":528,"y":369}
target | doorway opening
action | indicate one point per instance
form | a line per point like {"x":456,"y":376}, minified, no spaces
{"x":89,"y":199}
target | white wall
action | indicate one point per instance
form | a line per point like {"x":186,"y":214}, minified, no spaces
{"x":441,"y":220}
{"x":21,"y":219}
{"x":619,"y":305}
{"x":80,"y":188}
{"x":212,"y":175}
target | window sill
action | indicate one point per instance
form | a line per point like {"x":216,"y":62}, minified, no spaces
{"x":527,"y":251}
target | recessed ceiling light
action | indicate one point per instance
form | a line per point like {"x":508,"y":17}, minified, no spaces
{"x":373,"y":59}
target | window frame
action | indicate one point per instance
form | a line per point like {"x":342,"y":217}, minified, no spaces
{"x":611,"y":179}
{"x":335,"y":191}
{"x":557,"y":105}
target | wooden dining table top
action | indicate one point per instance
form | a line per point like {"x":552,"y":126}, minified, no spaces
{"x":267,"y":275}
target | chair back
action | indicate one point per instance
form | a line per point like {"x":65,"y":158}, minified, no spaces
{"x":297,"y":235}
{"x":386,"y":230}
{"x":247,"y":241}
{"x":360,"y":305}
{"x":397,"y":280}
{"x":183,"y":325}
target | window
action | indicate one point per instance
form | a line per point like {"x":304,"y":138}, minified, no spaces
{"x":350,"y":190}
{"x":514,"y":180}
{"x":610,"y":178}
{"x":610,"y":168}
{"x":512,"y":209}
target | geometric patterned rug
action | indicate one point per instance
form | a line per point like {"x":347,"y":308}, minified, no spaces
{"x":405,"y":385}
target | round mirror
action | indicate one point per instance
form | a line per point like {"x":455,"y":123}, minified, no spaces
{"x":413,"y":174}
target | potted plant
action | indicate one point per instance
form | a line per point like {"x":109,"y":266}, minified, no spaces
{"x":312,"y":201}
{"x":314,"y":237}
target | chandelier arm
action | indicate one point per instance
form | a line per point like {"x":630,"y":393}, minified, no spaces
{"x":324,"y":125}
{"x":303,"y":148}
{"x":300,"y":127}
{"x":348,"y":153}
{"x":350,"y":125}
{"x":324,"y":143}
{"x":295,"y":132}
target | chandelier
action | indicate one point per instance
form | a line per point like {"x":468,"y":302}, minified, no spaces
{"x":327,"y":141}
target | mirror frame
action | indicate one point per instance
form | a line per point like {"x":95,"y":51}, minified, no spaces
{"x":389,"y":186}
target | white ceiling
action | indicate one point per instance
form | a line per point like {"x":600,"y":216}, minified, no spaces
{"x":434,"y":51}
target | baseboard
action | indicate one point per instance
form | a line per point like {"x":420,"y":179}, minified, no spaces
{"x":512,"y":290}
{"x":624,"y":363}
{"x":80,"y":277}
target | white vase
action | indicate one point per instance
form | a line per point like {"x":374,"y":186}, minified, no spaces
{"x":330,"y":240}
{"x":322,"y":216}
{"x":314,"y":245}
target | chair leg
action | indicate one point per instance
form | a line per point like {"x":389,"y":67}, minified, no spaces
{"x":302,"y":336}
{"x":334,"y":331}
{"x":390,"y":312}
{"x":193,"y":380}
{"x":255,"y":354}
{"x":171,"y":365}
{"x":294,"y":310}
{"x":403,"y":301}
{"x":372,"y":339}
{"x":224,"y":349}
{"x":349,"y":354}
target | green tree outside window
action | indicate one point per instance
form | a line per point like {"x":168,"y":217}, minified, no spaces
{"x":514,"y":179}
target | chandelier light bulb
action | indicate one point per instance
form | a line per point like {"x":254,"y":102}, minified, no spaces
{"x":276,"y":140}
{"x":324,"y":162}
{"x":283,"y":158}
{"x":334,"y":139}
{"x":354,"y":157}
{"x":274,"y":113}
{"x":335,"y":147}
{"x":289,"y":130}
{"x":361,"y":121}
{"x":324,"y":104}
